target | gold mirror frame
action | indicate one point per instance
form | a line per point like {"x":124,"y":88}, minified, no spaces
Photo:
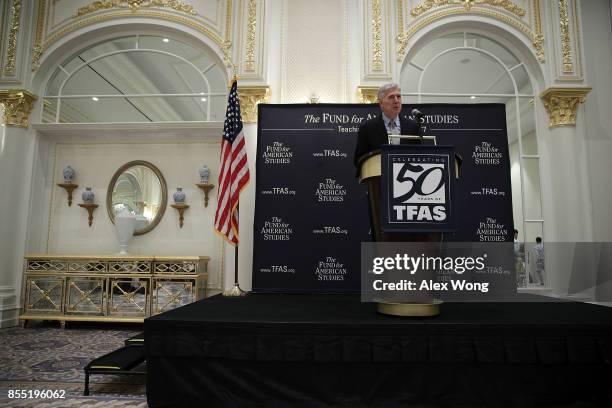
{"x":163,"y":189}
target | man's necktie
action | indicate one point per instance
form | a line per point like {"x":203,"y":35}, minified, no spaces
{"x":394,"y":130}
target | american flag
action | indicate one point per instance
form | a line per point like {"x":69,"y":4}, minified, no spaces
{"x":234,"y":173}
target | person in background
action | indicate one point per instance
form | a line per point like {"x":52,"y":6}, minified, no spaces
{"x":519,"y":260}
{"x":539,"y":255}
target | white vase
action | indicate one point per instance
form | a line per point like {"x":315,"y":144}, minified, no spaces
{"x":88,"y":195}
{"x":68,"y":174}
{"x":204,"y":174}
{"x":125,"y":225}
{"x":179,"y":195}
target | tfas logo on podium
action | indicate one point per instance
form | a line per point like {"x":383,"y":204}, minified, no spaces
{"x":420,"y":189}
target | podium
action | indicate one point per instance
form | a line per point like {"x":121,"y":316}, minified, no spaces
{"x":413,"y":216}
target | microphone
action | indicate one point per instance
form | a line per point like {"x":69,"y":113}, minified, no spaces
{"x":418,"y":115}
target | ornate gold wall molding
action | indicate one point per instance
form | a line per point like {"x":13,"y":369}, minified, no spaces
{"x":399,"y":11}
{"x":536,"y":38}
{"x":123,"y":14}
{"x":11,"y":50}
{"x":562,"y":103}
{"x":376,"y":35}
{"x":537,"y":16}
{"x":3,"y":12}
{"x":225,"y":45}
{"x":426,"y":5}
{"x":18,"y":104}
{"x":249,"y":64}
{"x":40,"y":27}
{"x":250,"y":97}
{"x":566,"y":46}
{"x":134,"y":5}
{"x":367,"y":94}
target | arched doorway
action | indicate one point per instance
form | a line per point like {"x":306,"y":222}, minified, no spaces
{"x":148,"y":95}
{"x":465,"y":67}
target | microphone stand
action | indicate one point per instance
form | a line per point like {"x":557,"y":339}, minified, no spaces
{"x":420,"y":131}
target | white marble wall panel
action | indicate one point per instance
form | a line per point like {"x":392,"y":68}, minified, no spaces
{"x":313,"y":51}
{"x":597,"y":120}
{"x":15,"y":149}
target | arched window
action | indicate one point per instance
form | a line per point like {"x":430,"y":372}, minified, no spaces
{"x":137,"y":79}
{"x":470,"y":68}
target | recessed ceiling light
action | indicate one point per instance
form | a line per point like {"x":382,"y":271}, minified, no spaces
{"x":95,"y":98}
{"x":203,"y":99}
{"x":166,"y":40}
{"x":472,"y":97}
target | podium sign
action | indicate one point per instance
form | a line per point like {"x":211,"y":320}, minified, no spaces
{"x":417,"y":188}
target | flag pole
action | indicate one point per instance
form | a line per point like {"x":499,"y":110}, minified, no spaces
{"x":235,"y":291}
{"x":233,"y":176}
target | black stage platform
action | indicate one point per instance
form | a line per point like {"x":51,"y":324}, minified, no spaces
{"x":333,"y":350}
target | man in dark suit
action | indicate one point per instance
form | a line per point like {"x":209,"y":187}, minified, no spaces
{"x":376,"y":131}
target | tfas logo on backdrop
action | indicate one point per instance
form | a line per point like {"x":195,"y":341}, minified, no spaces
{"x":420,"y":188}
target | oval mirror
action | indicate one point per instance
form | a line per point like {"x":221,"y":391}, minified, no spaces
{"x":139,"y":188}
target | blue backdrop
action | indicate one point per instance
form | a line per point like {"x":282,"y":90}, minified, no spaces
{"x":311,"y":213}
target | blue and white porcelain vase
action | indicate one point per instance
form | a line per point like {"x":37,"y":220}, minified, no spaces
{"x":88,"y":195}
{"x":179,"y":195}
{"x":204,"y":174}
{"x":68,"y":174}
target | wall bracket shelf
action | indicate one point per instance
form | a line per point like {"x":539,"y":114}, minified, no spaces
{"x":206,"y":189}
{"x":90,"y":207}
{"x":69,"y":187}
{"x":181,"y":209}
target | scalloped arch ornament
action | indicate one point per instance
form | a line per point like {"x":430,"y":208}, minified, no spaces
{"x":505,"y":11}
{"x":97,"y":12}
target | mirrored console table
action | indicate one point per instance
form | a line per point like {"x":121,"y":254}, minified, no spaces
{"x":109,"y":288}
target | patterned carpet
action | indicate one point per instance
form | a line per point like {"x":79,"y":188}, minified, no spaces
{"x":46,"y":357}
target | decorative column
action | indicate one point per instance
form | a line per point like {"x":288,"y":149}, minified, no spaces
{"x":16,"y":147}
{"x":367,"y":94}
{"x":250,"y":97}
{"x":18,"y":104}
{"x":562,"y":103}
{"x":566,"y":177}
{"x":567,"y":165}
